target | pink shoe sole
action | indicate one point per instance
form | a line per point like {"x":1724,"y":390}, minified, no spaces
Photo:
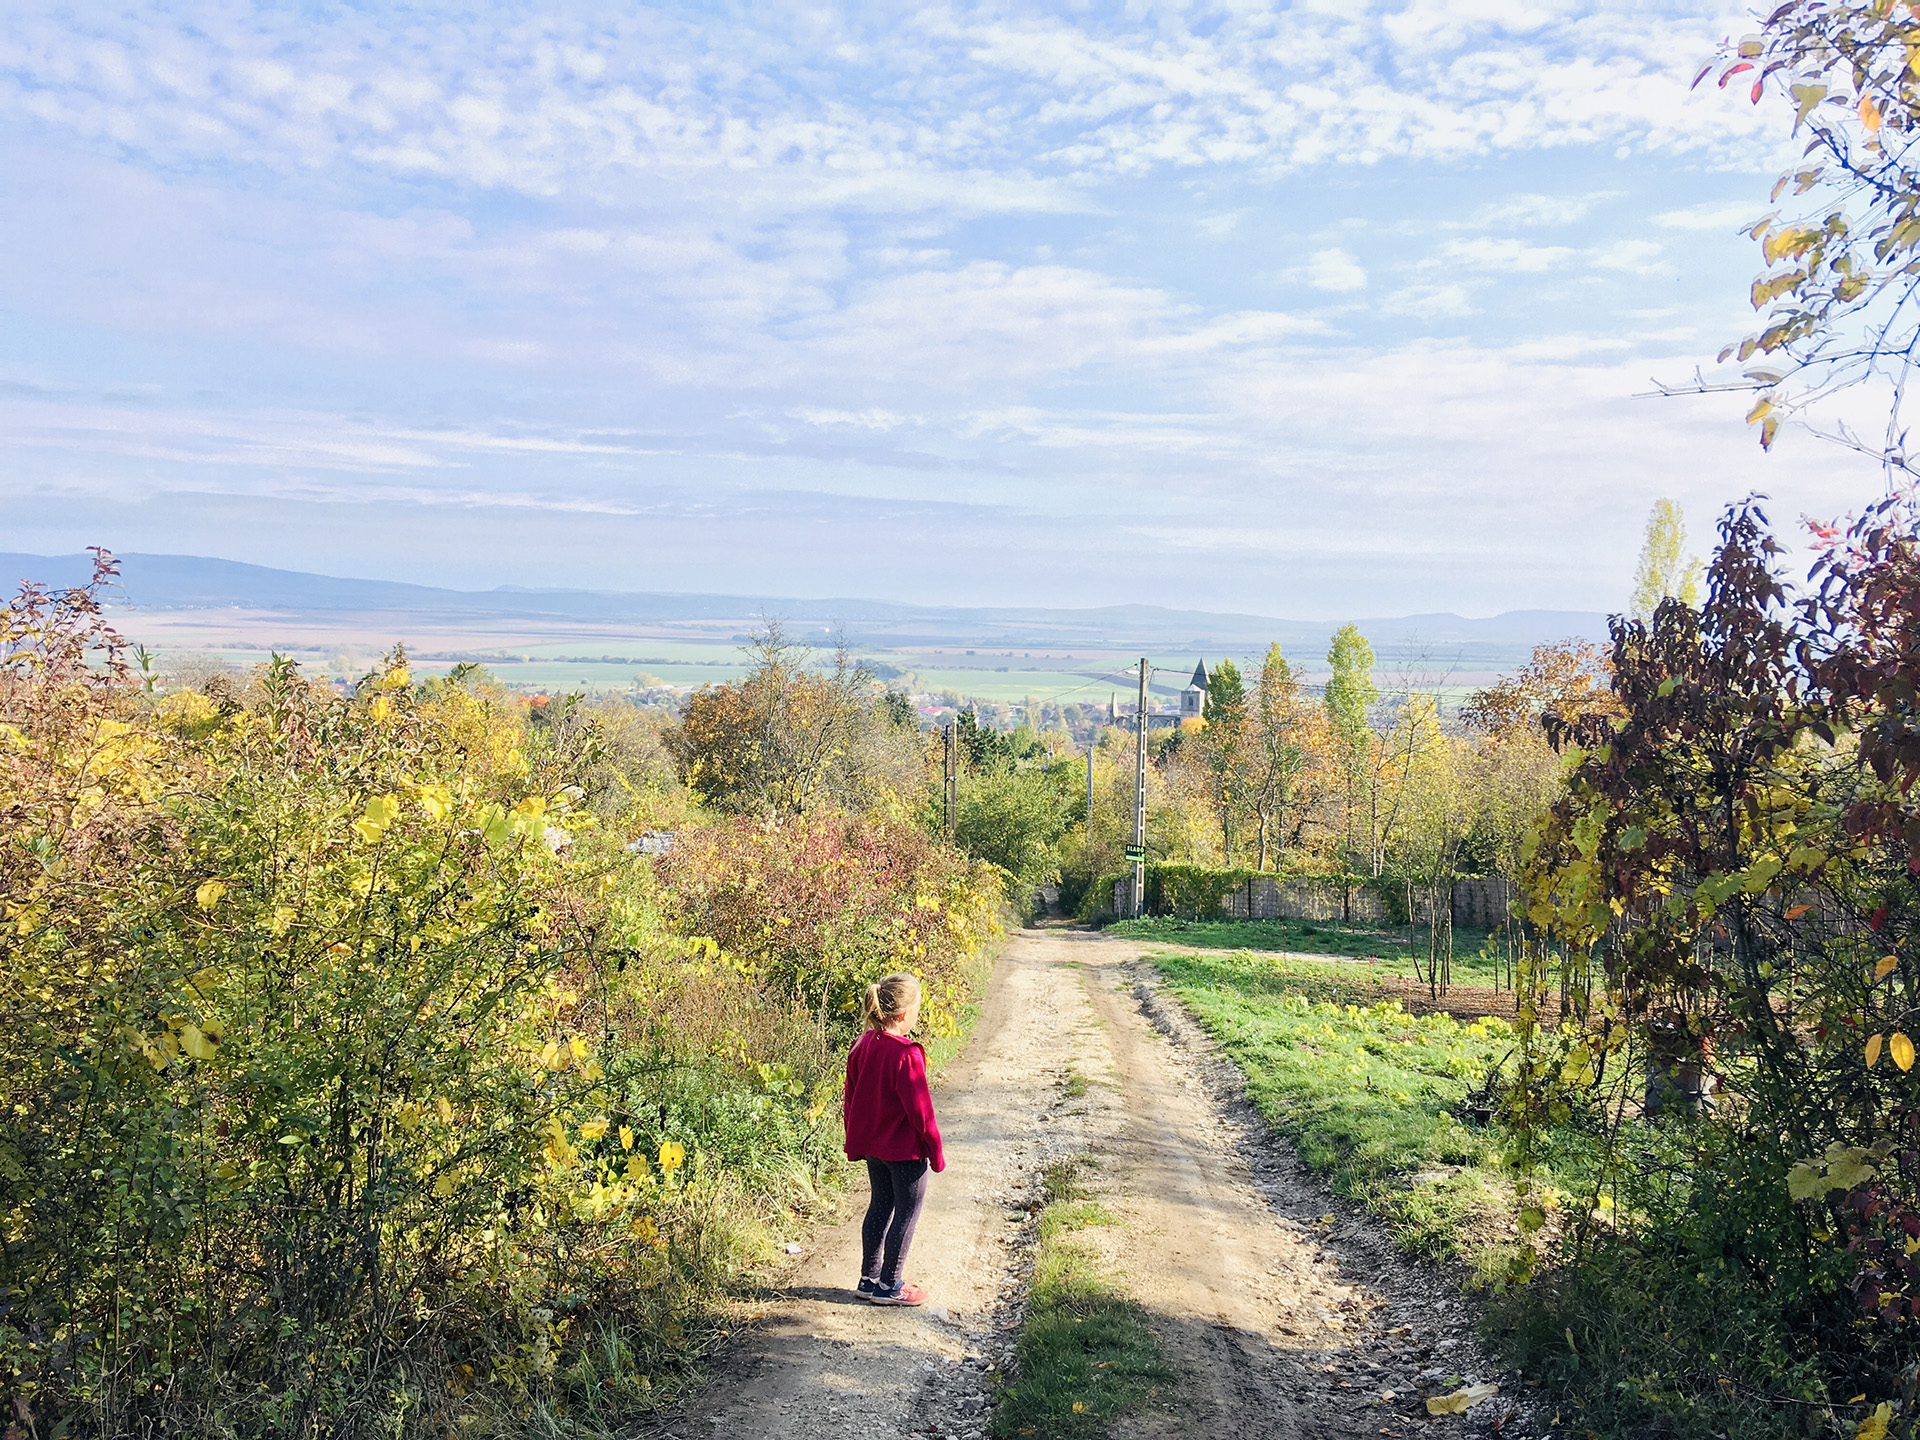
{"x":905,"y":1295}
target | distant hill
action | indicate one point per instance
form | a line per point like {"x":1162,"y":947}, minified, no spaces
{"x":192,"y":582}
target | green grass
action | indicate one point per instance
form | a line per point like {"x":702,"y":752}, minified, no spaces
{"x":1363,"y":1090}
{"x":1086,"y":1354}
{"x":1669,"y":1330}
{"x":1332,"y":938}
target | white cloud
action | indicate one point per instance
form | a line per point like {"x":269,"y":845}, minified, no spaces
{"x":547,"y":104}
{"x":1537,"y":210}
{"x":1334,"y":270}
{"x":579,"y":262}
{"x":901,"y":255}
{"x":1429,"y":302}
{"x":1506,"y":255}
{"x":1712,"y":215}
{"x":988,"y":323}
{"x":1502,"y":254}
{"x":879,"y":421}
{"x":1636,"y":257}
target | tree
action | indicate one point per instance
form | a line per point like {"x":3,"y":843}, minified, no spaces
{"x":1433,"y":805}
{"x":787,"y":737}
{"x":1665,"y":568}
{"x":987,"y":751}
{"x":1730,"y":874}
{"x":1349,"y":695}
{"x":1288,"y":743}
{"x":898,"y":710}
{"x":1516,"y":771}
{"x":221,"y":1079}
{"x":1566,"y":677}
{"x":1226,"y":695}
{"x":1222,"y":750}
{"x":1015,"y":818}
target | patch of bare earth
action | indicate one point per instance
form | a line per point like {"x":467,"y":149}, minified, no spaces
{"x":1286,"y":1312}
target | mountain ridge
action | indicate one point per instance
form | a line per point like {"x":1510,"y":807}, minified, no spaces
{"x":193,"y":582}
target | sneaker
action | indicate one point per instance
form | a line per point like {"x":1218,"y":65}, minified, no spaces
{"x":901,"y":1294}
{"x":866,"y":1286}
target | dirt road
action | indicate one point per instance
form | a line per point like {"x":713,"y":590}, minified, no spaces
{"x":1286,"y":1312}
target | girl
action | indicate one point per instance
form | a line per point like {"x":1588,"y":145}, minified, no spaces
{"x":890,"y":1125}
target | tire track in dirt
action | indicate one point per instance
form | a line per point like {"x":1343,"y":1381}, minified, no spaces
{"x":1287,"y":1313}
{"x":818,"y":1361}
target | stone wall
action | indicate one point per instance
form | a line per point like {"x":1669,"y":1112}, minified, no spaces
{"x":1265,"y":898}
{"x":1481,"y":904}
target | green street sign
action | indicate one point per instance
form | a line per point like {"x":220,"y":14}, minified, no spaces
{"x":1136,"y":853}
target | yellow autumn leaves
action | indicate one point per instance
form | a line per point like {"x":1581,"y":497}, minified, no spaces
{"x":1898,"y":1047}
{"x":179,"y":1039}
{"x":380,"y":813}
{"x":568,"y":1054}
{"x":496,"y":823}
{"x":410,"y":1115}
{"x":1461,"y":1401}
{"x":560,"y":1149}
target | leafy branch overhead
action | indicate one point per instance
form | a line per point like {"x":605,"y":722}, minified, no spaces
{"x":1836,"y":294}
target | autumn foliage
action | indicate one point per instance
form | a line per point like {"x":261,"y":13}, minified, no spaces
{"x":815,"y":905}
{"x":1730,"y":886}
{"x":359,"y":1080}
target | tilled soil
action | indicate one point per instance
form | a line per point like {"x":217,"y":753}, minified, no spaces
{"x":1287,"y":1313}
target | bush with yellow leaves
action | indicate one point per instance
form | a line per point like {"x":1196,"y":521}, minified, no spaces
{"x":304,"y":1131}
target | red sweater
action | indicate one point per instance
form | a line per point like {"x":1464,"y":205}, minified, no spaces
{"x":888,"y":1112}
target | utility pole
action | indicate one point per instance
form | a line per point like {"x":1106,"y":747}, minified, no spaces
{"x":953,"y":769}
{"x":1137,"y":852}
{"x":1089,"y":789}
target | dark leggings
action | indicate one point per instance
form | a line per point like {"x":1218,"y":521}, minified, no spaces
{"x":899,"y":1190}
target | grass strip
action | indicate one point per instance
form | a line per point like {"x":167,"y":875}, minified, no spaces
{"x":1086,"y":1353}
{"x":1366,"y":1093}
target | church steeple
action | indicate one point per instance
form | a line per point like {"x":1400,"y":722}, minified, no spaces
{"x":1193,"y":699}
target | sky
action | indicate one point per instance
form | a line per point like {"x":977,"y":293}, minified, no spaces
{"x":1314,"y":310}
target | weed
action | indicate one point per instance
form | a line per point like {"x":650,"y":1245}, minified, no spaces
{"x":1086,"y":1353}
{"x":1648,"y":1339}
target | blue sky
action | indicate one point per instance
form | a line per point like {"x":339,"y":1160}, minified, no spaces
{"x":1315,"y":310}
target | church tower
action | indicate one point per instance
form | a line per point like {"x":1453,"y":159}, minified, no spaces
{"x":1193,"y":699}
